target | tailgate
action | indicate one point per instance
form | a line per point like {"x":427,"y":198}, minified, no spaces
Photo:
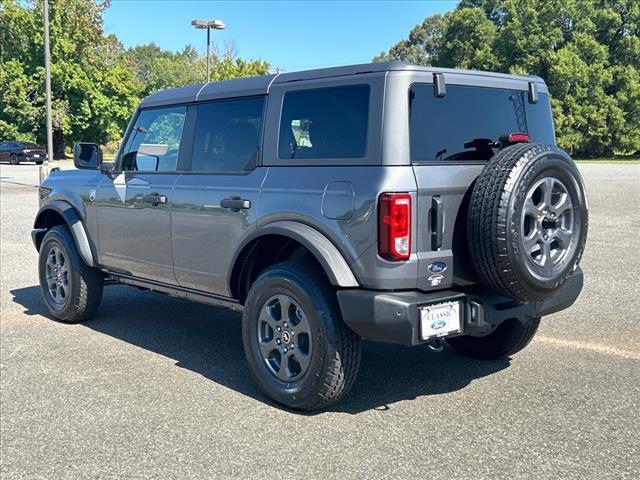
{"x":443,"y":192}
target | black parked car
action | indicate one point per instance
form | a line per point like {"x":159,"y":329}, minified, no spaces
{"x":15,"y":152}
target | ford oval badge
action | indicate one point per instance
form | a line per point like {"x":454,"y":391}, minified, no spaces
{"x":438,"y":324}
{"x":437,"y":267}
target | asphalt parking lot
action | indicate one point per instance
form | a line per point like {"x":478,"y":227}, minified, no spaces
{"x":154,"y":387}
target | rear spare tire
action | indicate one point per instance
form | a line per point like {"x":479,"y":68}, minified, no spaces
{"x":527,"y":222}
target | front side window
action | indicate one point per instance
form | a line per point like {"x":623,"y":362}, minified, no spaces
{"x":227,"y":135}
{"x":154,"y":142}
{"x":324,"y":123}
{"x":462,"y":124}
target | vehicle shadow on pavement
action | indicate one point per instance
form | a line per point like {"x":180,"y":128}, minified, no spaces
{"x":207,"y":340}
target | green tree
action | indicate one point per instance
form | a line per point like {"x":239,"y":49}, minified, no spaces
{"x":96,"y":82}
{"x":468,"y":41}
{"x":94,"y":87}
{"x":588,"y":52}
{"x":423,"y":45}
{"x":158,"y":69}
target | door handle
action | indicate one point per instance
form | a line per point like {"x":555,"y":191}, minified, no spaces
{"x":235,"y":203}
{"x":437,"y":223}
{"x":155,"y":199}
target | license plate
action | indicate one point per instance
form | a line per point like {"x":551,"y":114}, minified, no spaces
{"x":440,"y":320}
{"x":36,"y":156}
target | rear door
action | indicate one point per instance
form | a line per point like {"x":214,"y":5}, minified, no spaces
{"x":134,"y":202}
{"x":449,"y":137}
{"x":216,"y":201}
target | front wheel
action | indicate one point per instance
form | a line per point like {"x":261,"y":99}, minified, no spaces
{"x":297,"y":346}
{"x":13,"y":159}
{"x":508,"y":338}
{"x":71,"y":289}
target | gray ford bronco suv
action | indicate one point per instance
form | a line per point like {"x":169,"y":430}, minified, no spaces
{"x":385,"y":201}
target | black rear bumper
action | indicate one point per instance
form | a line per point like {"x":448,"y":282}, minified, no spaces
{"x":394,"y":317}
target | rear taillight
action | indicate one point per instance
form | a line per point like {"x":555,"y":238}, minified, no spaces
{"x":394,"y":226}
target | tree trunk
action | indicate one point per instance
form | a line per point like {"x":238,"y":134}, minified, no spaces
{"x":58,"y":145}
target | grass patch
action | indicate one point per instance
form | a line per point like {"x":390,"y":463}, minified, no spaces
{"x":617,"y":160}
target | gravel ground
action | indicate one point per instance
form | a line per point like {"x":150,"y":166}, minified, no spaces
{"x":155,"y":387}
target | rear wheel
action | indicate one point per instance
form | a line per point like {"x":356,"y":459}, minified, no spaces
{"x":508,"y":338}
{"x":13,"y":159}
{"x":71,"y":290}
{"x":298,"y":349}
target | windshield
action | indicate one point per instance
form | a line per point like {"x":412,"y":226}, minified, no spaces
{"x":463,"y":124}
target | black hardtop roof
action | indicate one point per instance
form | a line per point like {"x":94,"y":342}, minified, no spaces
{"x":260,"y":85}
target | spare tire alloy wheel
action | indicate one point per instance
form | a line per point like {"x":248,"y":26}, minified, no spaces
{"x":527,"y":222}
{"x":284,"y":338}
{"x":547,"y":222}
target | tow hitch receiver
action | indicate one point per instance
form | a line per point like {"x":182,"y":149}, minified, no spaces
{"x":435,"y":345}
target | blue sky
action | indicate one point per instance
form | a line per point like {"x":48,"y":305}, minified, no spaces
{"x":294,"y":35}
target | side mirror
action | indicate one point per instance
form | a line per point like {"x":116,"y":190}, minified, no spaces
{"x":87,"y":156}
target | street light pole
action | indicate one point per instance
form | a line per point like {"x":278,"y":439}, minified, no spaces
{"x":44,"y":170}
{"x":208,"y":45}
{"x":208,"y":25}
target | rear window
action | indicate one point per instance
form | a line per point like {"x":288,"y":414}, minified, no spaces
{"x":324,"y":123}
{"x":440,"y":126}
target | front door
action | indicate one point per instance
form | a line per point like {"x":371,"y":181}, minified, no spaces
{"x":217,"y":201}
{"x":134,"y":202}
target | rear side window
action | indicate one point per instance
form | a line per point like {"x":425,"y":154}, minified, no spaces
{"x":440,"y":126}
{"x":325,"y":123}
{"x":227,"y":135}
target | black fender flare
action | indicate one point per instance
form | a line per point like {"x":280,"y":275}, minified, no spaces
{"x":332,"y":261}
{"x":73,"y":221}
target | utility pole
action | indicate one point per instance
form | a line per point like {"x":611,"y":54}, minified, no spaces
{"x":44,"y":169}
{"x":203,"y":24}
{"x":208,"y":47}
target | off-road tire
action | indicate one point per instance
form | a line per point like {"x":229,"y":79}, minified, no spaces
{"x":335,"y":353}
{"x":508,"y":338}
{"x":13,"y":159}
{"x":495,"y":218}
{"x":85,"y":283}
